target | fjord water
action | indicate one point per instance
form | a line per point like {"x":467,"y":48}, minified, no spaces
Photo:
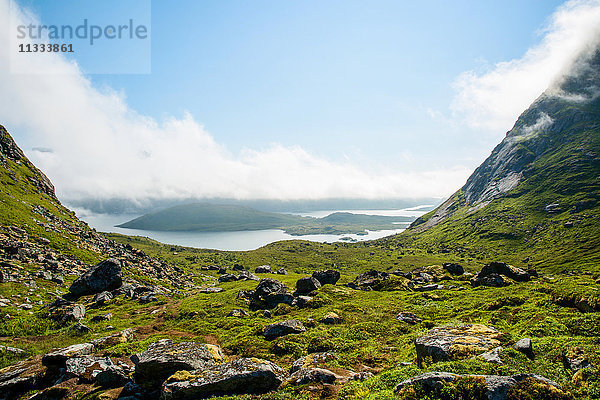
{"x":240,"y":240}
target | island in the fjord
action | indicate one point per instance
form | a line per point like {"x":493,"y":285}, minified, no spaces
{"x":205,"y":217}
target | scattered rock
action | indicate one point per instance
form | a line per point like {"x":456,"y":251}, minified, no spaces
{"x":11,"y":350}
{"x":409,"y":318}
{"x":331,"y":318}
{"x":311,"y":375}
{"x":247,"y":276}
{"x":237,"y":313}
{"x":292,"y":326}
{"x":494,"y":273}
{"x":361,"y":376}
{"x":228,"y":278}
{"x":307,"y":285}
{"x":445,"y":343}
{"x":101,"y":318}
{"x":281,"y":271}
{"x":302,"y":301}
{"x":454,"y":268}
{"x":242,"y":376}
{"x":553,"y":208}
{"x":575,"y":360}
{"x":124,"y":336}
{"x":268,"y":294}
{"x":163,"y":358}
{"x":263,"y":269}
{"x":313,"y":360}
{"x":329,"y":276}
{"x":106,"y":275}
{"x":101,"y":299}
{"x":80,"y":328}
{"x":492,"y":356}
{"x":524,"y":346}
{"x":370,"y":280}
{"x":494,"y":387}
{"x":20,"y":378}
{"x":211,"y":289}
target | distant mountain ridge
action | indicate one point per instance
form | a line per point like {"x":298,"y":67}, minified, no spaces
{"x":221,"y":217}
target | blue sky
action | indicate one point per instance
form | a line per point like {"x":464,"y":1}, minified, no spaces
{"x":384,"y":85}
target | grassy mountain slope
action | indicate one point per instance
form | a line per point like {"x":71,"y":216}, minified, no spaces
{"x":535,"y":199}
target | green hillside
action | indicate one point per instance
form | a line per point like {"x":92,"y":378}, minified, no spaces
{"x":204,"y":217}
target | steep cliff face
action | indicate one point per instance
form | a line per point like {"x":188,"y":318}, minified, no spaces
{"x":551,"y":125}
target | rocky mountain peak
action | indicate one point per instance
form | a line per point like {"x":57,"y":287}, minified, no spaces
{"x":10,"y":151}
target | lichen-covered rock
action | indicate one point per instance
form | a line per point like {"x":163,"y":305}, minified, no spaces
{"x":331,"y":318}
{"x":307,"y":285}
{"x":492,"y":387}
{"x":409,"y":318}
{"x":444,"y":343}
{"x":124,"y":336}
{"x":268,"y":294}
{"x":105,"y":275}
{"x":311,"y":375}
{"x":292,"y":326}
{"x":327,"y":277}
{"x":163,"y":358}
{"x":58,"y":358}
{"x":20,"y":378}
{"x":313,"y":360}
{"x":242,"y":376}
{"x":87,"y":367}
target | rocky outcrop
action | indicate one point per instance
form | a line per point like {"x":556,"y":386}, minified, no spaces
{"x":500,"y":274}
{"x":106,"y":275}
{"x":445,"y":343}
{"x":311,"y":375}
{"x":268,"y":294}
{"x":58,"y":358}
{"x":307,"y":285}
{"x":163,"y":358}
{"x":327,"y":277}
{"x":313,"y":360}
{"x":370,"y":280}
{"x":242,"y":376}
{"x":491,"y":387}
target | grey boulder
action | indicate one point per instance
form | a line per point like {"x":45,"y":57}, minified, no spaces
{"x":242,"y":376}
{"x":104,"y":276}
{"x":292,"y":326}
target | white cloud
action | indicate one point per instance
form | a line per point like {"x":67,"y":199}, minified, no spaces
{"x":492,"y":101}
{"x":93,"y":145}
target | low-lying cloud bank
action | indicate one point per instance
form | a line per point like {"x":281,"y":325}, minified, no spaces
{"x":492,"y":101}
{"x":93,"y":145}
